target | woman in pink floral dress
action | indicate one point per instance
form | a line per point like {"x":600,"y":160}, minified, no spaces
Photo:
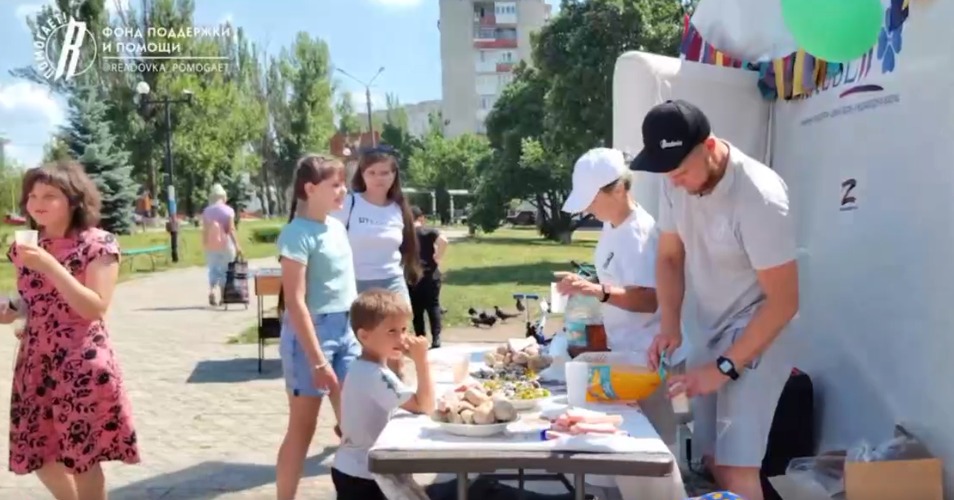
{"x":68,"y":411}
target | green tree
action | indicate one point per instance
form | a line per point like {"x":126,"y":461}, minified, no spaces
{"x":435,"y":123}
{"x":11,"y":180}
{"x":552,"y":113}
{"x":516,"y":117}
{"x":576,"y":53}
{"x":301,"y":96}
{"x":348,"y":122}
{"x":402,"y":141}
{"x":90,"y":140}
{"x":441,"y":164}
{"x":395,"y":114}
{"x":55,"y":150}
{"x":198,"y":151}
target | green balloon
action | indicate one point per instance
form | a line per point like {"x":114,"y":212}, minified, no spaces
{"x":834,"y":30}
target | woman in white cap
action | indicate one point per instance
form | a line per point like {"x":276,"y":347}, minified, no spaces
{"x":625,"y":261}
{"x":218,"y":240}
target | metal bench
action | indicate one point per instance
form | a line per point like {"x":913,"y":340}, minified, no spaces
{"x":151,"y":252}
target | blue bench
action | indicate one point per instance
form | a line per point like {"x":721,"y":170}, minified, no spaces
{"x":151,"y":252}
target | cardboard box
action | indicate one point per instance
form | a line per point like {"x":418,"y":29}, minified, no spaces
{"x":896,"y":479}
{"x":920,"y":479}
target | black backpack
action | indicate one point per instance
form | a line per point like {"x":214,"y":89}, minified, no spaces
{"x":793,"y":430}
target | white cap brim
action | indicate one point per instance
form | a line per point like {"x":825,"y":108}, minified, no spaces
{"x":578,"y":201}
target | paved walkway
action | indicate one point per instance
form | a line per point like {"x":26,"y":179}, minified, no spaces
{"x":209,"y":425}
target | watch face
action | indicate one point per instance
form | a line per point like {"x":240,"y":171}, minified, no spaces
{"x":725,"y":366}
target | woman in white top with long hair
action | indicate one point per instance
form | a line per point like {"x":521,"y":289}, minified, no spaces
{"x":380,"y":226}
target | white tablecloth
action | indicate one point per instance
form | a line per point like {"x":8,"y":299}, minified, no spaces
{"x":418,"y":432}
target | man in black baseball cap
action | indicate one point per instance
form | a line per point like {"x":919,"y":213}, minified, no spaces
{"x":724,"y":220}
{"x":678,"y":141}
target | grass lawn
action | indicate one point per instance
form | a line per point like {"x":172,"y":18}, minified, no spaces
{"x":487,"y":270}
{"x":190,"y":249}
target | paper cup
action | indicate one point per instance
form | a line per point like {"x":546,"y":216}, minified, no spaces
{"x":557,"y":300}
{"x":461,"y":369}
{"x":26,"y":237}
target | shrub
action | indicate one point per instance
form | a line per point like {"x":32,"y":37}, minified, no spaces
{"x":266,"y":234}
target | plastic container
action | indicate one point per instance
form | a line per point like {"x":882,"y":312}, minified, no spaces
{"x":583,"y":309}
{"x":607,"y":377}
{"x":575,"y":334}
{"x":596,"y":338}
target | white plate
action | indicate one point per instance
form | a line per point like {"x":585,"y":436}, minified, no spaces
{"x":473,"y":430}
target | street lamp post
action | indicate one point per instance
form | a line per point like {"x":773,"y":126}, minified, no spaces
{"x":142,"y":90}
{"x":367,"y":96}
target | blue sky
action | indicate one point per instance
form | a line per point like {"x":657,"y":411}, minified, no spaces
{"x":363,"y":35}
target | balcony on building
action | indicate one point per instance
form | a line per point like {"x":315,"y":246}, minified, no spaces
{"x":484,"y":14}
{"x":505,"y":13}
{"x":495,"y":38}
{"x":504,"y":67}
{"x":495,"y":44}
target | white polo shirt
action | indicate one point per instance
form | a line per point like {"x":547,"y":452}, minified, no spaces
{"x":625,"y":257}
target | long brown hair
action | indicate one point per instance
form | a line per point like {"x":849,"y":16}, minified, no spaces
{"x":310,"y":169}
{"x":70,"y":178}
{"x":410,"y":252}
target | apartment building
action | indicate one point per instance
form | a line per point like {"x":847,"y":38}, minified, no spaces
{"x":481,"y":40}
{"x":418,"y":116}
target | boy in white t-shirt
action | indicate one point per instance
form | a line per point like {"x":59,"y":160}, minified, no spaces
{"x":372,"y":392}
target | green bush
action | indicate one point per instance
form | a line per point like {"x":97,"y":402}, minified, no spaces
{"x":266,"y":234}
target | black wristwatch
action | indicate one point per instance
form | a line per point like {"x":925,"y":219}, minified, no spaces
{"x":727,"y":367}
{"x":606,"y":295}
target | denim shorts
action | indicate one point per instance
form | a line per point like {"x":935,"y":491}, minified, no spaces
{"x":337,"y":342}
{"x":396,"y":284}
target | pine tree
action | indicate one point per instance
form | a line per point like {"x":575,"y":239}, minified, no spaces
{"x":90,"y":140}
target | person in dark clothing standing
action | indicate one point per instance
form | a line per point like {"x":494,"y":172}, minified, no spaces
{"x":426,"y":294}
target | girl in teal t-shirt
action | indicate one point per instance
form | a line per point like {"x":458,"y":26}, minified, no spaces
{"x":317,"y":345}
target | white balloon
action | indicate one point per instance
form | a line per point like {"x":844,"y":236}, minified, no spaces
{"x":751,"y":30}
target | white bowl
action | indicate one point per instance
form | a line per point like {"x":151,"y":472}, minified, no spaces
{"x":473,"y":430}
{"x":525,"y":404}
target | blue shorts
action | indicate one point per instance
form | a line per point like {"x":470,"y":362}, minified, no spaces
{"x":396,"y":284}
{"x":217,"y":263}
{"x":337,"y":342}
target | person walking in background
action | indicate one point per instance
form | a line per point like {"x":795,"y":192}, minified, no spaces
{"x":380,"y":226}
{"x":144,"y":208}
{"x":724,"y":220}
{"x":317,"y":345}
{"x":69,"y":410}
{"x":426,"y":293}
{"x":218,"y":240}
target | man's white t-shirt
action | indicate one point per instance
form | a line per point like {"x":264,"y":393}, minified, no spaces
{"x":376,"y":234}
{"x":626,"y":257}
{"x":370,"y":395}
